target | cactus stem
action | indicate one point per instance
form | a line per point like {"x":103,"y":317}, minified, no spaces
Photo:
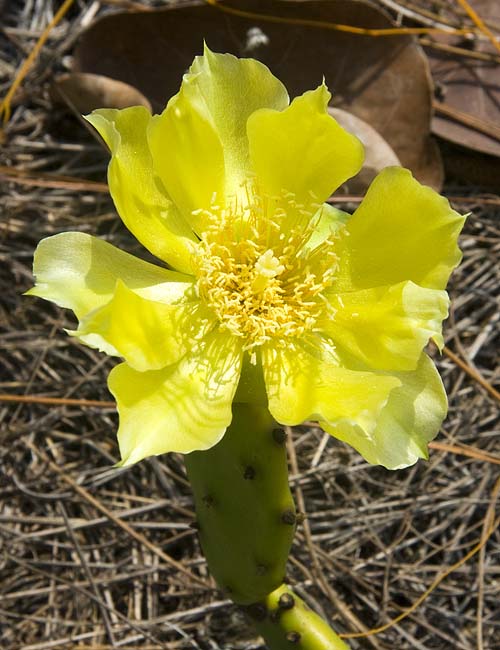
{"x":293,"y":637}
{"x":208,"y":500}
{"x":279,"y":436}
{"x":286,"y":601}
{"x":288,"y":517}
{"x":241,"y":492}
{"x":257,"y":611}
{"x":288,"y":623}
{"x":249,"y":473}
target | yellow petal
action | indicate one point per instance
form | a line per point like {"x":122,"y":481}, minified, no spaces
{"x":146,"y":211}
{"x":401,"y":231}
{"x":199,"y":143}
{"x":184,"y":407}
{"x":232,"y":90}
{"x":149,"y":335}
{"x":327,"y":221}
{"x":80,"y":272}
{"x":409,"y":420}
{"x":302,"y":149}
{"x":302,"y":387}
{"x":386,"y":328}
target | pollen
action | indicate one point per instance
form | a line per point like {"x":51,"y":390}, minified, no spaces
{"x":256,"y":271}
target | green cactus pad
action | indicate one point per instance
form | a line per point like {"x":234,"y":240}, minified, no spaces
{"x":245,"y":510}
{"x":287,"y":623}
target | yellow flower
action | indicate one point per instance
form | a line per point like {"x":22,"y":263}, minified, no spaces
{"x":276,"y":297}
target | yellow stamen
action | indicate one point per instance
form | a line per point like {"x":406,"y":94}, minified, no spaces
{"x":255,"y":272}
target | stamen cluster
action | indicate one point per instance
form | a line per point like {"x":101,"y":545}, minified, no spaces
{"x":255,"y":271}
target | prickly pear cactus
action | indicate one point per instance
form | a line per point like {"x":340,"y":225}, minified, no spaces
{"x":287,"y":623}
{"x":245,"y":511}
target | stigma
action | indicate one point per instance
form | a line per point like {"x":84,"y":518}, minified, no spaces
{"x":267,"y":267}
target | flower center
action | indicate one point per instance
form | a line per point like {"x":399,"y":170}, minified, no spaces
{"x":256,"y":272}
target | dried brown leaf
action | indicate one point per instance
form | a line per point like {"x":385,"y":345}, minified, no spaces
{"x":384,"y":81}
{"x":378,"y":154}
{"x":85,"y":92}
{"x":469,"y":88}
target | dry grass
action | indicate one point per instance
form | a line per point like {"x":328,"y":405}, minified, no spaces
{"x":72,"y":576}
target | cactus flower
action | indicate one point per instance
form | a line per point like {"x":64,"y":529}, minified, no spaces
{"x":267,"y":294}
